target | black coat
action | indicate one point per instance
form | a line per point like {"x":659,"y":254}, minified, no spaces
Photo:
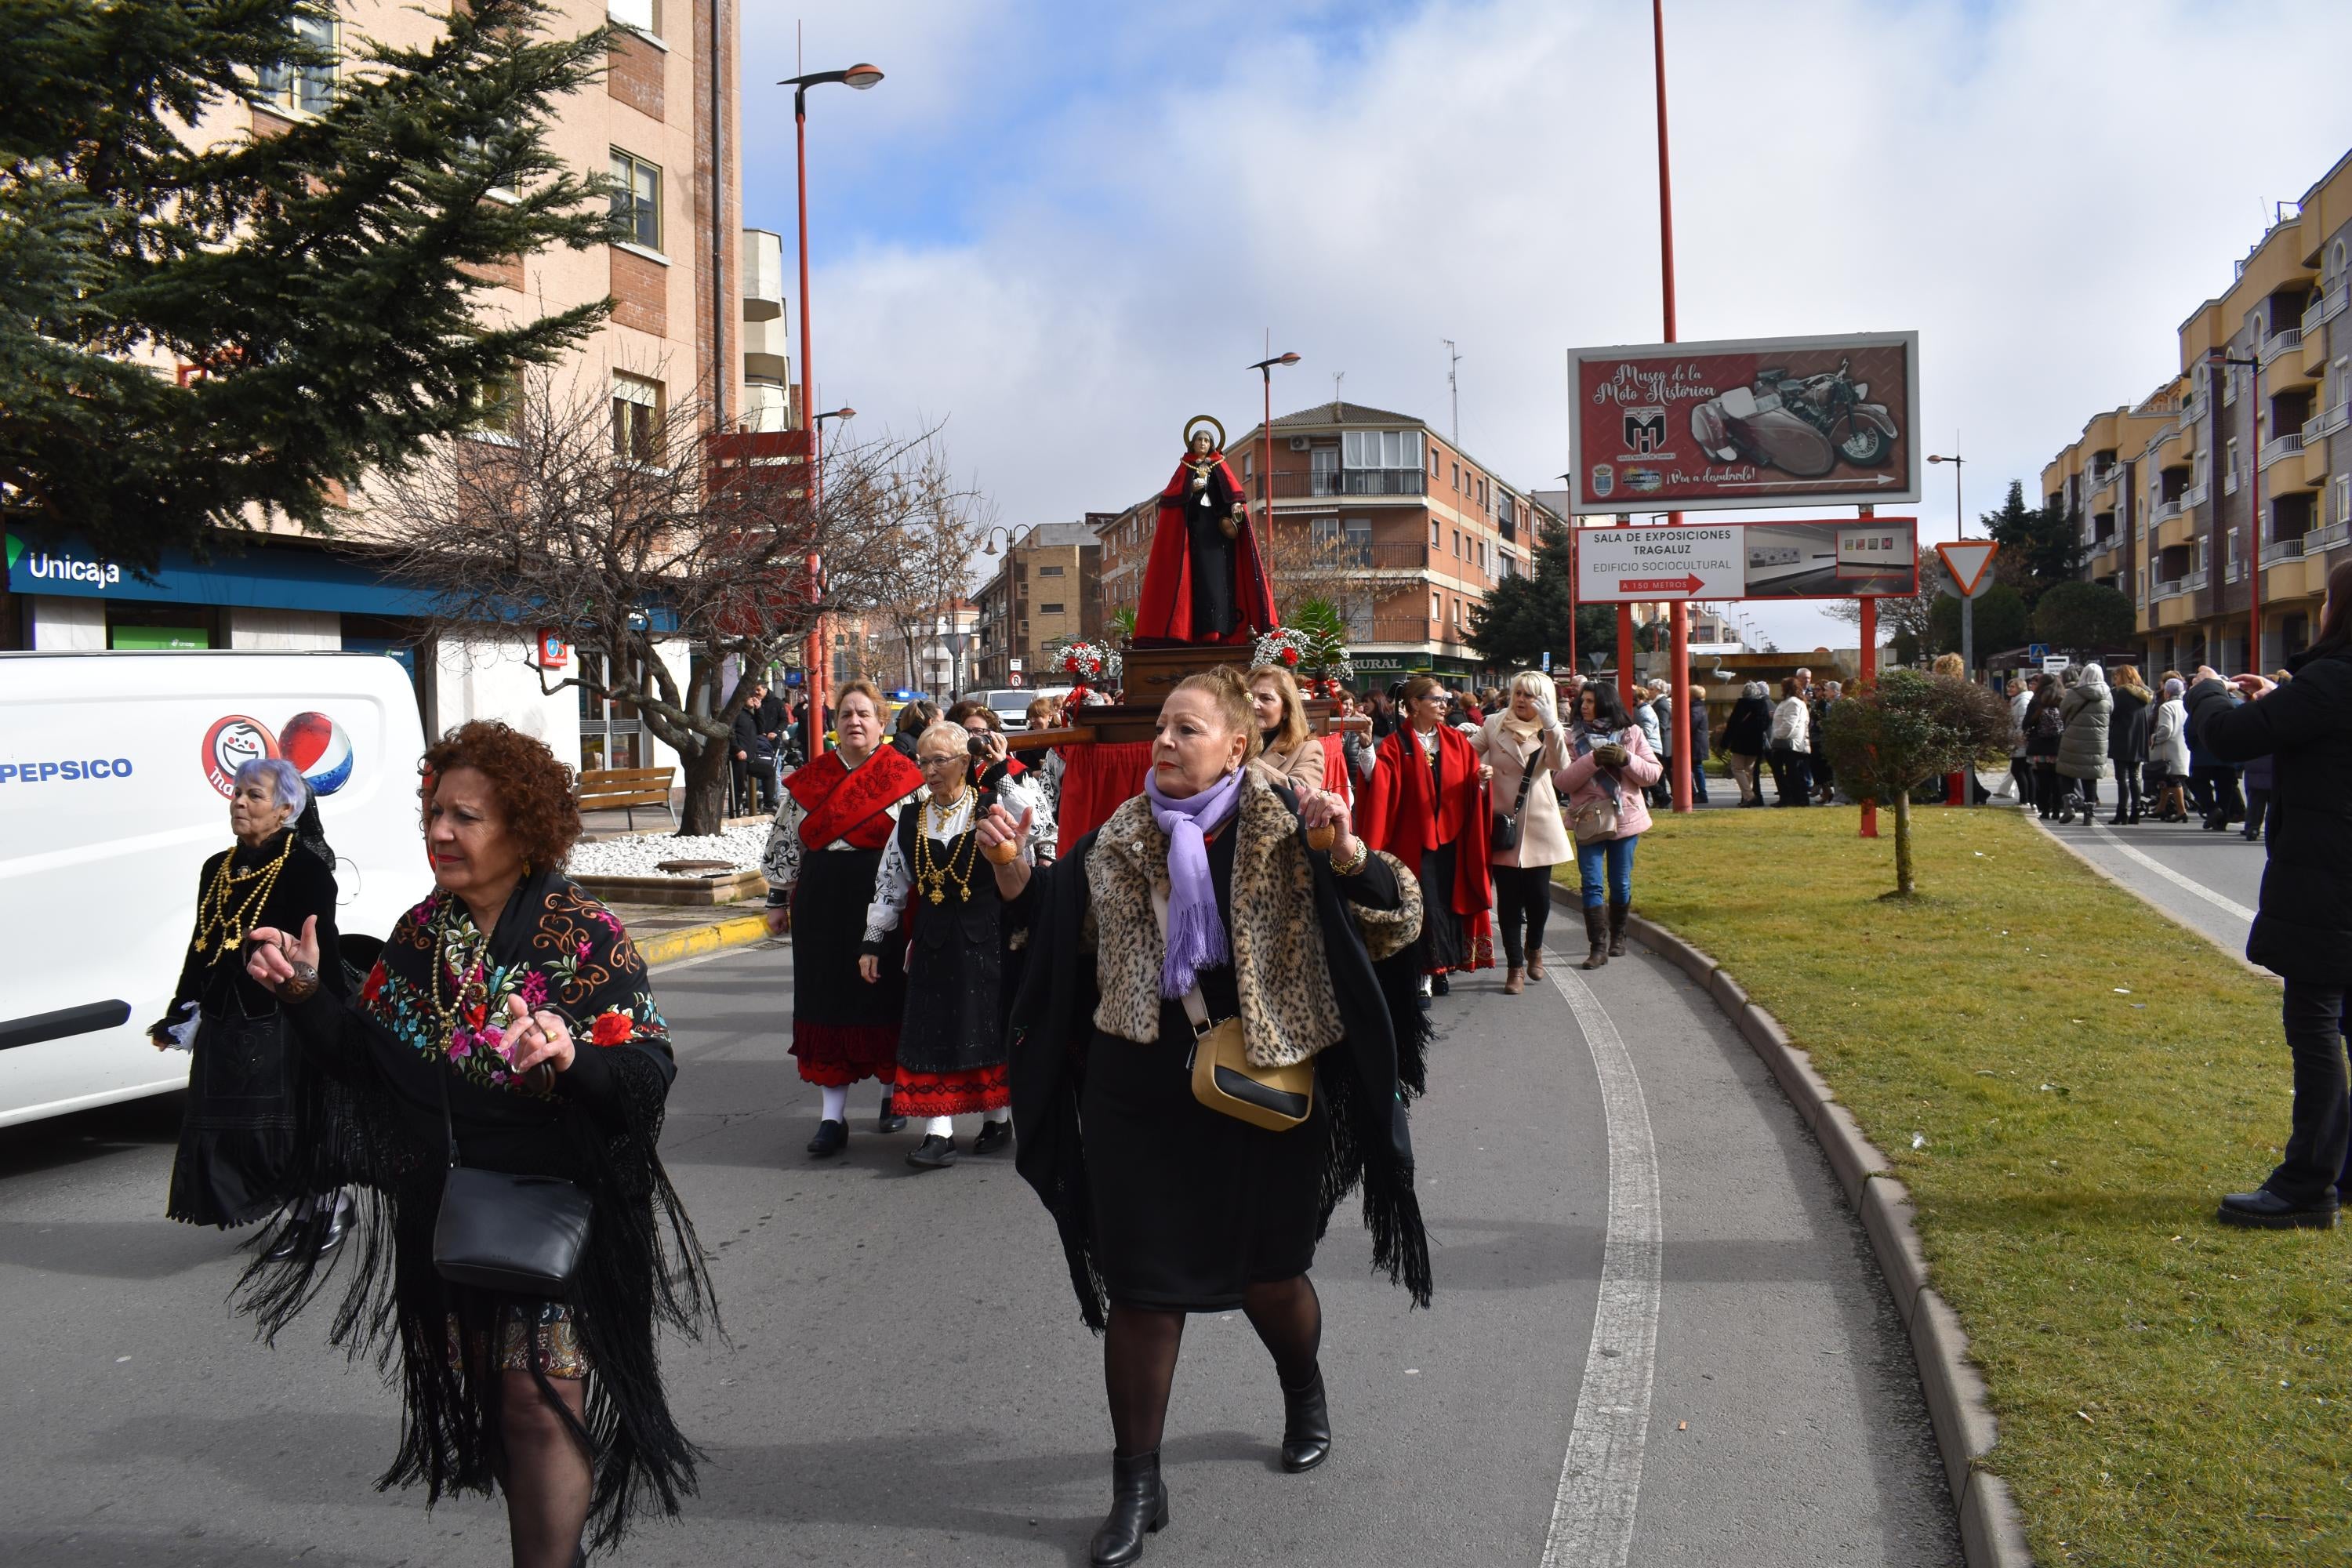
{"x":2304,"y":929}
{"x":1748,"y":729}
{"x":2127,"y":730}
{"x":747,"y":737}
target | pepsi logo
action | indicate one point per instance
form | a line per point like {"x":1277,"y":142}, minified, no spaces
{"x":318,"y":748}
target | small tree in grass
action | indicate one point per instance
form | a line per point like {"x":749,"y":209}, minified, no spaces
{"x":1908,"y":728}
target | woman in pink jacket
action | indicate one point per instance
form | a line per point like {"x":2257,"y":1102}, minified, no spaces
{"x":1609,"y":767}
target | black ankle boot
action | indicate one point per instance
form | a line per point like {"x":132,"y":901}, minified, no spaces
{"x":1306,"y":1426}
{"x":1139,"y":1507}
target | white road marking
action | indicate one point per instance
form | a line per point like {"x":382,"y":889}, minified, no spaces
{"x":2169,"y":875}
{"x":1600,"y":1478}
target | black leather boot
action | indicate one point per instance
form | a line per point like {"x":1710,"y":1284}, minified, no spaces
{"x":1306,"y":1426}
{"x":1617,"y":913}
{"x":1139,"y":1507}
{"x":1596,"y":933}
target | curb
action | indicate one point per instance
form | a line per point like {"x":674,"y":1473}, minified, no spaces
{"x":1992,"y":1535}
{"x":669,"y":946}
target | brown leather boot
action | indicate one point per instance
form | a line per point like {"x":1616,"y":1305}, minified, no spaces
{"x":1514,"y":981}
{"x":1596,"y":932}
{"x":1617,"y":913}
{"x":1535,"y":963}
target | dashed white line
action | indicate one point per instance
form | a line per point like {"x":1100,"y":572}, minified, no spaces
{"x":2189,"y":883}
{"x":1601,"y":1477}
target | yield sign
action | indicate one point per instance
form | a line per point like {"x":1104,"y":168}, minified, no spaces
{"x":1967,"y":561}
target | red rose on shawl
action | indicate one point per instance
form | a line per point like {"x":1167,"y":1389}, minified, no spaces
{"x":374,"y":986}
{"x":612,"y":1028}
{"x":478,"y":1015}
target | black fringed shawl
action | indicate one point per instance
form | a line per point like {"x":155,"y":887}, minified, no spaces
{"x":1365,"y":1079}
{"x":378,"y":1130}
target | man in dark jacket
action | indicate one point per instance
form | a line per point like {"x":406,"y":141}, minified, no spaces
{"x":753,"y":758}
{"x":2302,"y":931}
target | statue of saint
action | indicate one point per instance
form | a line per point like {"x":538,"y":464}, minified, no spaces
{"x":1205,"y":583}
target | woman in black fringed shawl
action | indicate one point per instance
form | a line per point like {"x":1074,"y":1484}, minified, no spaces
{"x":521,"y":1004}
{"x":1165,"y":1206}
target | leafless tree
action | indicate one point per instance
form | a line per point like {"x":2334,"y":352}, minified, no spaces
{"x":1305,"y":567}
{"x":1896,"y":615}
{"x":934,"y":553}
{"x":628,"y":532}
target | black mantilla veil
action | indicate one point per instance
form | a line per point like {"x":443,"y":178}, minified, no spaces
{"x":375,"y":1129}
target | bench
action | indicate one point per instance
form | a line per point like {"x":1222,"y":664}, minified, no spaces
{"x":602,"y":789}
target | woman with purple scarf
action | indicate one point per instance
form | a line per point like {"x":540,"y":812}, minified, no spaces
{"x":1167,"y":1207}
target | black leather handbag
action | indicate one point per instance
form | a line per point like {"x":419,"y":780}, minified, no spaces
{"x":1505,"y":832}
{"x":499,"y":1231}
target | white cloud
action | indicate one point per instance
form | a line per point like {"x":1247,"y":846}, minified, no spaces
{"x":2042,"y":191}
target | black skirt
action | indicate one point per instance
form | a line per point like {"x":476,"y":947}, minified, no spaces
{"x":1191,"y":1205}
{"x":1440,"y":929}
{"x":236,"y":1140}
{"x":829,"y":904}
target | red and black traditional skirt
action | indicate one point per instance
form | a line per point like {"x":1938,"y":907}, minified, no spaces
{"x":844,"y":1029}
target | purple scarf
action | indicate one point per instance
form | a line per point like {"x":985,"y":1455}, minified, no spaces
{"x":1196,"y":937}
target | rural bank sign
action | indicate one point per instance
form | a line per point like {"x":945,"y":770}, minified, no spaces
{"x":31,"y":569}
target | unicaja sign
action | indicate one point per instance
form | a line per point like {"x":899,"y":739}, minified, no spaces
{"x":41,"y":566}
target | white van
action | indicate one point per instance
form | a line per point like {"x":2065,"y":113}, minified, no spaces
{"x":114,"y":783}
{"x":1012,"y":702}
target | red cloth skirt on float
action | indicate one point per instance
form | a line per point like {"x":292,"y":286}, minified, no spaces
{"x":844,"y":1029}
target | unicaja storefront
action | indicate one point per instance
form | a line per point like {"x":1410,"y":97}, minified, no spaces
{"x":284,"y":596}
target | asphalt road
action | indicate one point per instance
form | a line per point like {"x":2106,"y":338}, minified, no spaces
{"x":905,"y":1378}
{"x":2210,"y":881}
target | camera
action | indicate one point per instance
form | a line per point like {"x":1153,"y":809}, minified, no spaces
{"x":977,"y":746}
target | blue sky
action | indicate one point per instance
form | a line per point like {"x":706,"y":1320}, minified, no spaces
{"x":1061,"y":229}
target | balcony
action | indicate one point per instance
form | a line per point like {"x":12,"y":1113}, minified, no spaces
{"x":2284,"y":367}
{"x":2193,"y":582}
{"x":2281,"y":344}
{"x":2168,"y":588}
{"x":1400,"y":627}
{"x":2324,"y":308}
{"x":2334,"y":536}
{"x":2230,"y":483}
{"x":1292,"y":485}
{"x":2279,"y":448}
{"x":2166,"y":510}
{"x":1370,"y":554}
{"x":2194,"y":497}
{"x":763,"y":275}
{"x":2279,"y":550}
{"x":2104,"y":480}
{"x":765,"y":350}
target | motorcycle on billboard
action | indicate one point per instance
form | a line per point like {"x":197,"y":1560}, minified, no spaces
{"x":1804,"y":426}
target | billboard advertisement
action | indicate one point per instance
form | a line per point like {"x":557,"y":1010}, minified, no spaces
{"x":1844,"y":558}
{"x":1744,"y":423}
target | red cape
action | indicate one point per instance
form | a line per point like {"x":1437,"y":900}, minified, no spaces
{"x":1164,"y":614}
{"x":1394,"y":812}
{"x":846,"y":806}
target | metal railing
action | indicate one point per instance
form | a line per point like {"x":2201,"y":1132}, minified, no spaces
{"x":2279,"y":550}
{"x":2230,"y":483}
{"x":2280,"y":447}
{"x":2325,"y":423}
{"x":2165,"y":588}
{"x":1400,"y":627}
{"x":2194,"y":495}
{"x":1292,"y":485}
{"x":2284,"y":341}
{"x":2166,"y":510}
{"x":2194,"y":581}
{"x":2326,"y":308}
{"x":2325,"y":539}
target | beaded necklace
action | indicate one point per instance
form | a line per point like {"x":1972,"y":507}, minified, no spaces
{"x":461,"y":964}
{"x":217,"y":912}
{"x":933,"y":876}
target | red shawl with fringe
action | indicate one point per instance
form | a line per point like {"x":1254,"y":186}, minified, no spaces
{"x":847,"y":804}
{"x":1397,"y":811}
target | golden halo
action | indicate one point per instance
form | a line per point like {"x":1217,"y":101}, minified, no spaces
{"x":1196,"y":422}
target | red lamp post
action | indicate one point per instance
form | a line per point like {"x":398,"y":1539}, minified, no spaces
{"x":860,"y":77}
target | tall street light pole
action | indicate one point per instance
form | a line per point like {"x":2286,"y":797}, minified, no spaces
{"x":1264,"y":369}
{"x":1678,"y":613}
{"x":860,"y":77}
{"x":1967,"y":603}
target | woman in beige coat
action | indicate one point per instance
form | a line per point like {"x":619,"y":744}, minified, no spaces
{"x":1292,"y":756}
{"x":1525,"y":734}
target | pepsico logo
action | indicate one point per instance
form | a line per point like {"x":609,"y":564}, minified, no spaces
{"x":317,"y":746}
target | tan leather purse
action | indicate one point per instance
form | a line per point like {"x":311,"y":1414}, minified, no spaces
{"x":1223,"y":1077}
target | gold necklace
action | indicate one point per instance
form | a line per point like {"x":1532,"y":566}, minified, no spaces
{"x":462,"y":964}
{"x":215,"y":910}
{"x":932,"y":876}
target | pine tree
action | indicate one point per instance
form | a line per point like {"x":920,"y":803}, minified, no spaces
{"x":1523,"y":617}
{"x":324,"y":281}
{"x":2040,"y":546}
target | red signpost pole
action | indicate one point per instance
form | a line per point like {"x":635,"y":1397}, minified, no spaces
{"x":1678,"y":613}
{"x":1868,"y":674}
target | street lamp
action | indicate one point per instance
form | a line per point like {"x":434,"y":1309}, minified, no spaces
{"x":1012,"y":537}
{"x":1264,"y":369}
{"x":860,"y":77}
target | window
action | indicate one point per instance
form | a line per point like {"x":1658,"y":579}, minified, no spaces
{"x":1323,"y":470}
{"x":1049,"y":571}
{"x":1436,"y":606}
{"x":637,"y":199}
{"x":2342,"y":499}
{"x":1458,"y":478}
{"x":636,"y":418}
{"x":645,"y":15}
{"x":498,"y":405}
{"x":1049,"y":609}
{"x":2335,"y":258}
{"x":309,"y":89}
{"x":1457,"y":544}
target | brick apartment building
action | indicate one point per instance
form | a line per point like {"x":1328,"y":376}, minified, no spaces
{"x":1375,"y":512}
{"x":2173,"y":492}
{"x":699,"y":309}
{"x":1047,"y":591}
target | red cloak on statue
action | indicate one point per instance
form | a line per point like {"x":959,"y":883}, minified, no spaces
{"x":1164,"y":614}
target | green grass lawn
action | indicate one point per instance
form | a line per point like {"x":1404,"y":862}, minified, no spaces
{"x":2068,"y":1082}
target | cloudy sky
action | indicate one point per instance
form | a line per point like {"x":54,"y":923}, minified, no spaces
{"x":1062,"y":227}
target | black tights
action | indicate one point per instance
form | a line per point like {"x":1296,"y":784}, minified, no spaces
{"x":545,"y":1475}
{"x":1139,"y":1355}
{"x":1522,"y":891}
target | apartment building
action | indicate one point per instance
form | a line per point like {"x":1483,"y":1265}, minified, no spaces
{"x":699,"y":315}
{"x":2224,"y":499}
{"x":1375,"y":512}
{"x":1047,"y":591}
